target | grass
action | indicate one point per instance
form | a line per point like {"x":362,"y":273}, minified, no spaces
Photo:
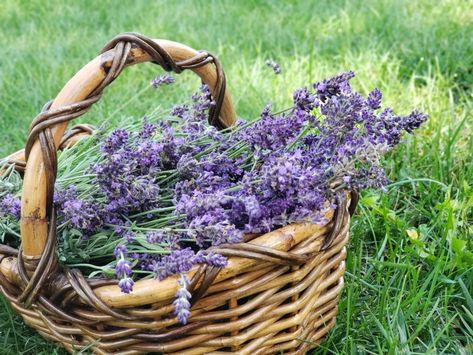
{"x":409,"y":281}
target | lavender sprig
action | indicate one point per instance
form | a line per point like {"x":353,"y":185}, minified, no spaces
{"x":182,"y":301}
{"x":162,"y":80}
{"x":123,"y":269}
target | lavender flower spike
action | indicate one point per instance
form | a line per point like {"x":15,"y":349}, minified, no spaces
{"x":161,"y":80}
{"x":120,"y":250}
{"x":181,"y":303}
{"x":123,"y":270}
{"x":126,"y":284}
{"x":10,"y":205}
{"x":374,"y":99}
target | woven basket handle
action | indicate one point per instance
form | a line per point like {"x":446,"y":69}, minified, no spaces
{"x":79,"y":94}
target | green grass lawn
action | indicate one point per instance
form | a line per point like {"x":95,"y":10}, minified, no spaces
{"x":404,"y":293}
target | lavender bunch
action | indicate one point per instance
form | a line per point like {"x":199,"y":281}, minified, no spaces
{"x":10,"y":205}
{"x":157,"y":196}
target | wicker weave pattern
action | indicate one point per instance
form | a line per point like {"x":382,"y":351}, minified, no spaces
{"x":284,"y":300}
{"x":262,"y":310}
{"x":70,"y":138}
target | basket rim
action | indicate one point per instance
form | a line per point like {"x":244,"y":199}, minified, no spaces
{"x":148,"y":291}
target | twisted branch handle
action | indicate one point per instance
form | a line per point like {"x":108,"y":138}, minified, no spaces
{"x":71,"y":137}
{"x":82,"y":91}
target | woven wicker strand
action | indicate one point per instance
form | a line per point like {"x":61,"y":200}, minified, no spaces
{"x":70,"y":138}
{"x":279,"y":291}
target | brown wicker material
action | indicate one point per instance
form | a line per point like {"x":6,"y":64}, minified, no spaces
{"x":279,"y":291}
{"x":70,"y":138}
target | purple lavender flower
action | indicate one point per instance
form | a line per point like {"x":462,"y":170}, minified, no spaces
{"x":10,"y":206}
{"x":81,"y":214}
{"x":216,"y":260}
{"x":413,"y":121}
{"x":342,"y":112}
{"x":161,"y":80}
{"x":178,"y":261}
{"x":374,"y":99}
{"x":155,"y":237}
{"x":181,"y":303}
{"x":272,"y":132}
{"x":333,"y":86}
{"x":63,"y":195}
{"x":202,"y":102}
{"x":147,"y":130}
{"x":129,"y":236}
{"x":126,"y":284}
{"x":180,"y":111}
{"x":123,"y":268}
{"x":211,"y":229}
{"x":253,"y":208}
{"x":120,"y":251}
{"x":303,"y":99}
{"x":126,"y":175}
{"x":115,"y":141}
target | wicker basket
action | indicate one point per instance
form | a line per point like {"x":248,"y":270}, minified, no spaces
{"x":278,"y":293}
